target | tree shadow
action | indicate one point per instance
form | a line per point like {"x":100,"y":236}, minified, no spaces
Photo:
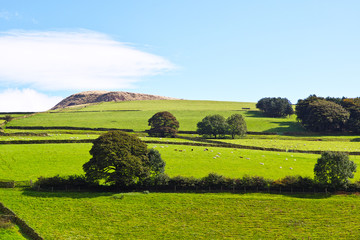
{"x":289,"y":127}
{"x":66,"y":194}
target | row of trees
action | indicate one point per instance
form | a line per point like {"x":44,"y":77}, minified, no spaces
{"x":216,"y":125}
{"x":164,"y":124}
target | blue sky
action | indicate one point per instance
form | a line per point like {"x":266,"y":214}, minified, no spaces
{"x":210,"y":50}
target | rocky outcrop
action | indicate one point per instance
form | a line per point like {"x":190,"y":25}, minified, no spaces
{"x":89,"y":97}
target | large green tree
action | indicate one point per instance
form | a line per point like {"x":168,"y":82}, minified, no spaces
{"x":275,"y":107}
{"x":163,"y":124}
{"x":118,"y":158}
{"x":236,"y":125}
{"x":212,"y":125}
{"x":334,"y":169}
{"x":318,"y":114}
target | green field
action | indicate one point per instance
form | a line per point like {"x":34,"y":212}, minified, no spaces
{"x":186,"y":215}
{"x":298,"y":144}
{"x":23,"y":162}
{"x":135,"y":114}
{"x":81,"y":215}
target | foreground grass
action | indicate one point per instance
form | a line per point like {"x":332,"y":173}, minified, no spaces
{"x":186,"y":216}
{"x":135,"y":114}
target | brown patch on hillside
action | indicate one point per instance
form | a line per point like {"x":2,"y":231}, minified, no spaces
{"x":89,"y":97}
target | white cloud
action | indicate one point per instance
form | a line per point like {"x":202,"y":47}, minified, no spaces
{"x":81,"y":60}
{"x":26,"y":100}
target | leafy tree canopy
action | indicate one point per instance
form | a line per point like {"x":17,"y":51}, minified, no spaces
{"x":317,"y":114}
{"x":334,"y":169}
{"x":163,"y":124}
{"x":121,"y":159}
{"x":212,"y":125}
{"x":275,"y":107}
{"x":236,"y":125}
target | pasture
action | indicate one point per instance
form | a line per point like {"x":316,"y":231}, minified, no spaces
{"x":22,"y":162}
{"x":64,"y":215}
{"x":134,"y":115}
{"x":81,"y":215}
{"x":344,"y":146}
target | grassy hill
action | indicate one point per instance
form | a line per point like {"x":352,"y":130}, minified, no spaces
{"x":135,"y":114}
{"x":91,"y":215}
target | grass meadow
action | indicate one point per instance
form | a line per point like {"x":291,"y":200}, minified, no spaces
{"x":82,"y":215}
{"x":298,"y":144}
{"x":22,"y":162}
{"x":134,"y":115}
{"x":64,"y":215}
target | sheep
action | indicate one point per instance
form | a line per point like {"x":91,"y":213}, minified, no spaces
{"x":261,"y":163}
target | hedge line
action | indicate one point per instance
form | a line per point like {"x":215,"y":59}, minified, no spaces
{"x":207,"y":143}
{"x":213,"y":182}
{"x":24,"y":227}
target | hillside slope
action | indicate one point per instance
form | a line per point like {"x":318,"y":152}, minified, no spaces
{"x":105,"y":96}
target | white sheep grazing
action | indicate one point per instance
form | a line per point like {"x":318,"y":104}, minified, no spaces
{"x":280,"y":167}
{"x":248,"y":158}
{"x":261,"y":163}
{"x":291,"y":168}
{"x":294,"y":159}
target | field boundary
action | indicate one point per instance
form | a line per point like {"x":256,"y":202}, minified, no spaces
{"x":65,"y":128}
{"x":24,"y":227}
{"x":197,"y":143}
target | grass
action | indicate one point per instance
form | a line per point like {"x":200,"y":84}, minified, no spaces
{"x":8,"y":230}
{"x":24,"y":162}
{"x":62,"y":215}
{"x":344,"y":146}
{"x":135,"y":114}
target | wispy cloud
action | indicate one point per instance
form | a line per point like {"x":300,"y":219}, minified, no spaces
{"x":26,"y":100}
{"x":79,"y":60}
{"x":8,"y":15}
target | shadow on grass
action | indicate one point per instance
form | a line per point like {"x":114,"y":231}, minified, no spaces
{"x":287,"y":127}
{"x":95,"y":194}
{"x":65,"y":194}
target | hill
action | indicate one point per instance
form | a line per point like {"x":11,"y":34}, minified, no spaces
{"x":105,"y":96}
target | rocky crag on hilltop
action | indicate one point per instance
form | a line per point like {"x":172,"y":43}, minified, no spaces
{"x":89,"y":97}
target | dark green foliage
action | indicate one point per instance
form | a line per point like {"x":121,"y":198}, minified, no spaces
{"x":302,"y":107}
{"x":212,"y":125}
{"x":8,"y":118}
{"x":72,"y":181}
{"x":163,"y":124}
{"x":236,"y":125}
{"x":317,"y":114}
{"x":353,"y":106}
{"x":275,"y":107}
{"x":118,"y":158}
{"x":157,"y":165}
{"x":334,"y":169}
